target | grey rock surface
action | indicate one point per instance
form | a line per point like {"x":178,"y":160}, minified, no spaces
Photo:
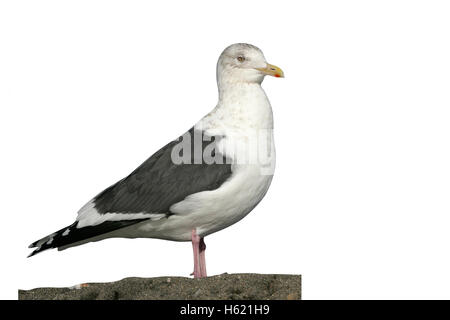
{"x":220,"y":287}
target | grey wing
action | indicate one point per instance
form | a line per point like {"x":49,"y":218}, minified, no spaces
{"x":159,"y":183}
{"x":153,"y":187}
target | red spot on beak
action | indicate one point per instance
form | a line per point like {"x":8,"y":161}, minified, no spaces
{"x":277,"y":75}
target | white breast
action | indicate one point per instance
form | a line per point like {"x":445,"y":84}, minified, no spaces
{"x":241,"y":116}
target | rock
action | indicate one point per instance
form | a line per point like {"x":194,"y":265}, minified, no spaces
{"x":221,"y":287}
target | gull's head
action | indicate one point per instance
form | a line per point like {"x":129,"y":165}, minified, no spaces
{"x":244,"y":63}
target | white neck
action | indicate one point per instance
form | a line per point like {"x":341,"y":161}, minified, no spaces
{"x":242,"y":113}
{"x":244,"y":105}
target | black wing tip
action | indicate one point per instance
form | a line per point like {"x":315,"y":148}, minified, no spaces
{"x":39,"y":248}
{"x":36,"y":251}
{"x":32,"y":254}
{"x":50,"y":241}
{"x":33,"y":245}
{"x":74,"y":235}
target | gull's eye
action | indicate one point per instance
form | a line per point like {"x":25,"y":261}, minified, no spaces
{"x":241,"y":58}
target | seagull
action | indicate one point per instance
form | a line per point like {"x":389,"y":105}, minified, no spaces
{"x":206,"y":180}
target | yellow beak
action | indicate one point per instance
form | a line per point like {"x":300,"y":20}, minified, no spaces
{"x":272,"y":70}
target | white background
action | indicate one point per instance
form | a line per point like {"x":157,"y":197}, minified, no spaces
{"x":360,"y":200}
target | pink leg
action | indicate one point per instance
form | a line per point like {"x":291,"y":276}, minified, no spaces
{"x":202,"y":257}
{"x":198,"y":245}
